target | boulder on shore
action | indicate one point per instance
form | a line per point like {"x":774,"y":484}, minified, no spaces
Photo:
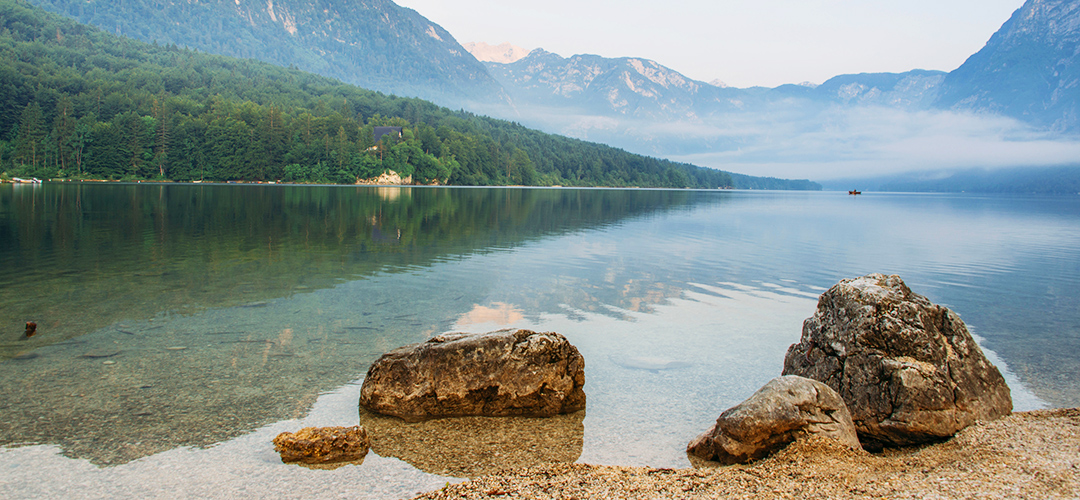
{"x":785,"y":409}
{"x":323,"y":445}
{"x":495,"y":374}
{"x":908,"y":369}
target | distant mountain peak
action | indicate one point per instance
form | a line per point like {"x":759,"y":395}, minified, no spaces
{"x":504,"y":53}
{"x":718,"y":83}
{"x":1030,"y":68}
{"x":624,"y":86}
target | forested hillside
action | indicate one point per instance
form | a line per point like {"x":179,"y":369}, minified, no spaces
{"x":79,"y":102}
{"x":375,"y":44}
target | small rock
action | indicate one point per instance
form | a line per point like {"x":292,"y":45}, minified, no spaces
{"x":496,"y":374}
{"x":785,"y":409}
{"x":908,"y":369}
{"x":323,"y":445}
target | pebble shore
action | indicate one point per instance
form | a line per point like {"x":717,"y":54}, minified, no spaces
{"x":1025,"y":455}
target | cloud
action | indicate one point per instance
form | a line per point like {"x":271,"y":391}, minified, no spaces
{"x":874,"y":141}
{"x":803,"y":139}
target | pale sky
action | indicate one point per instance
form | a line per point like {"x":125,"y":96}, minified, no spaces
{"x":741,"y":42}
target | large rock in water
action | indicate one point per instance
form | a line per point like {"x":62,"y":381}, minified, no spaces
{"x":785,"y":409}
{"x":908,"y":369}
{"x":496,"y":374}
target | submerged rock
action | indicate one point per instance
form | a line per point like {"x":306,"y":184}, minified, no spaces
{"x":495,"y":374}
{"x":908,"y":369}
{"x":652,"y":364}
{"x":785,"y":409}
{"x":323,"y":445}
{"x":476,"y":446}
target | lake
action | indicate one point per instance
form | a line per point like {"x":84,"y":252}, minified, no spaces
{"x":182,"y":327}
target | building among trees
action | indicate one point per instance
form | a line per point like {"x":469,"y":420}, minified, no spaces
{"x":381,"y":131}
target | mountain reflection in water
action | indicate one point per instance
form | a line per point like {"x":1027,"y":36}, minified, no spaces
{"x":187,"y":315}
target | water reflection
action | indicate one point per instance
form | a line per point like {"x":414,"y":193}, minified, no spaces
{"x":682,"y":303}
{"x":77,"y":258}
{"x":497,"y":315}
{"x":188,"y":315}
{"x":476,"y":446}
{"x":1009,"y":266}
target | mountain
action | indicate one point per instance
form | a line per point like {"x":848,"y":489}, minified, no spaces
{"x":81,"y":103}
{"x":375,"y":44}
{"x":1029,"y":70}
{"x":504,"y":53}
{"x":642,"y":88}
{"x":1022,"y":88}
{"x":917,"y":89}
{"x":626,"y":86}
{"x":1018,"y":94}
{"x":645,"y":107}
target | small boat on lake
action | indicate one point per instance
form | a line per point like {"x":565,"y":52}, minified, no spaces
{"x":19,"y":180}
{"x":854,"y":192}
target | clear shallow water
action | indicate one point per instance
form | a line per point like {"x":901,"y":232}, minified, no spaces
{"x":182,"y":327}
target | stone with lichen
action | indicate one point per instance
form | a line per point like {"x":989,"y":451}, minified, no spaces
{"x":908,"y":369}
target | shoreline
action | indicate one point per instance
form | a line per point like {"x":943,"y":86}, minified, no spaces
{"x":1033,"y":454}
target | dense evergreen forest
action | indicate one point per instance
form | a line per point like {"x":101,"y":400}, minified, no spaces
{"x":76,"y":102}
{"x":374,"y":44}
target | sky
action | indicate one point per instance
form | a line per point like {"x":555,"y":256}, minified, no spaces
{"x":743,"y":43}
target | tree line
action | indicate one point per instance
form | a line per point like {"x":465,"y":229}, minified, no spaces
{"x":76,"y":102}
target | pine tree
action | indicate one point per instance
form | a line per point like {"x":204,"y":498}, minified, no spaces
{"x":28,"y":145}
{"x":161,"y":116}
{"x":63,"y":130}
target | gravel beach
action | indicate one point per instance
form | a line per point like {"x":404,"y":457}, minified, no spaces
{"x":1025,"y":455}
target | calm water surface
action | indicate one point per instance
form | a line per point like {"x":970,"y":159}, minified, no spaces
{"x":182,"y":327}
